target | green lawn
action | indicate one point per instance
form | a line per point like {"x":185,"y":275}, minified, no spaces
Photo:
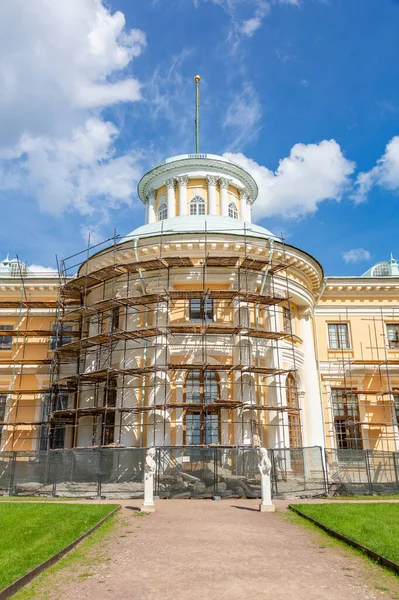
{"x":31,"y":533}
{"x":372,"y":525}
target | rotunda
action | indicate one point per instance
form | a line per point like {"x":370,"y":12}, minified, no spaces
{"x":196,"y":329}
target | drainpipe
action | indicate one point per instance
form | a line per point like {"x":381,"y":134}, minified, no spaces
{"x":135,"y":242}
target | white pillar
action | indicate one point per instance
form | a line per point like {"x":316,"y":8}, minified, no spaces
{"x":211,"y":194}
{"x":182,"y":181}
{"x":149,"y":472}
{"x":249,"y":212}
{"x":265,"y":468}
{"x":313,"y":411}
{"x":151,"y":206}
{"x":170,"y":186}
{"x":224,"y":200}
{"x":243,"y":205}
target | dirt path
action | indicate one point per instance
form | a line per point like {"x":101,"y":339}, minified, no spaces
{"x":199,"y":549}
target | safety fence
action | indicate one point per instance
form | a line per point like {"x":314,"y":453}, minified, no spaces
{"x":189,"y":472}
{"x":182,"y":472}
{"x":362,"y":472}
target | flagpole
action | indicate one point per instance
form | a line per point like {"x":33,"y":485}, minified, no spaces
{"x":197,"y":80}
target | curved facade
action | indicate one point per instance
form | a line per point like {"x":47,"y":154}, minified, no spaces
{"x":195,"y":329}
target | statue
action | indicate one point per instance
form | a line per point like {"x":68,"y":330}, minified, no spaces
{"x":150,"y":463}
{"x":265,"y":467}
{"x":149,"y":472}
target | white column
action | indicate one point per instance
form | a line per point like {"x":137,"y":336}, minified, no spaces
{"x":182,"y":181}
{"x":149,"y":472}
{"x":211,"y":194}
{"x":151,"y":207}
{"x":265,"y":467}
{"x":313,"y":411}
{"x":249,"y":212}
{"x":170,"y":186}
{"x":224,"y":200}
{"x":243,"y":205}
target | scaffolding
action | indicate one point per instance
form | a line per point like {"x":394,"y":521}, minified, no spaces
{"x":27,"y":359}
{"x":361,"y":399}
{"x":179,"y":340}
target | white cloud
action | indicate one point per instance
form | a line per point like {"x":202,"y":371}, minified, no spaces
{"x":385,"y":174}
{"x":44,"y":270}
{"x":243,"y":117}
{"x":62,"y":63}
{"x":249,"y":26}
{"x":356,"y":255}
{"x":311,"y":174}
{"x":246,"y":16}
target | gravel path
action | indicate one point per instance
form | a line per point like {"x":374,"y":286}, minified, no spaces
{"x":199,"y":549}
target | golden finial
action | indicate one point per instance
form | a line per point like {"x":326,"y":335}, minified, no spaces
{"x":197,"y":79}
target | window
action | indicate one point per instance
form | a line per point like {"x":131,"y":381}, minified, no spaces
{"x":286,"y":320}
{"x":294,"y":419}
{"x":346,"y":419}
{"x":393,"y":335}
{"x":197,"y":206}
{"x":3,"y":403}
{"x":57,"y":439}
{"x":60,"y":339}
{"x":233,"y":212}
{"x":6,"y":340}
{"x":114,"y":321}
{"x":162,"y":211}
{"x":201,"y":427}
{"x":338,"y":336}
{"x":61,"y":400}
{"x":108,"y":422}
{"x":201,"y":309}
{"x":396,"y":403}
{"x":43,"y":427}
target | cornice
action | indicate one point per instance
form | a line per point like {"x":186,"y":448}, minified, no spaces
{"x":229,"y":169}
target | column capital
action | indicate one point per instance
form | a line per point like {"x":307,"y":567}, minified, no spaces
{"x":170,"y":183}
{"x":244,"y":195}
{"x":224,"y":183}
{"x":211,"y":179}
{"x":151,"y":195}
{"x":182,"y":180}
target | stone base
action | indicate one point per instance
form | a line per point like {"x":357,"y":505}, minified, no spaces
{"x":267,"y":508}
{"x":148,"y":508}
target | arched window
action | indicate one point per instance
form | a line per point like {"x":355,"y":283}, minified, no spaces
{"x":294,"y":419}
{"x":233,"y":212}
{"x":292,"y":391}
{"x":162,"y":211}
{"x":201,"y":424}
{"x":197,"y":206}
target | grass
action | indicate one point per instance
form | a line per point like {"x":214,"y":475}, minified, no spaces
{"x":84,"y":558}
{"x":366,"y":497}
{"x":32,"y":533}
{"x":38,"y":499}
{"x":372,"y":525}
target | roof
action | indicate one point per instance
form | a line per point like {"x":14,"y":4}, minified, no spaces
{"x":206,"y":164}
{"x":200,"y":224}
{"x":389,"y":268}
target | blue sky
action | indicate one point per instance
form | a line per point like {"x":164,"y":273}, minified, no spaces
{"x":303,"y":93}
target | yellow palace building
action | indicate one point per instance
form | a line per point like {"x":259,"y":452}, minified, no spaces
{"x":199,"y":328}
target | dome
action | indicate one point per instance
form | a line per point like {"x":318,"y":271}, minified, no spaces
{"x":200,"y":224}
{"x":12,"y":267}
{"x":388,"y":268}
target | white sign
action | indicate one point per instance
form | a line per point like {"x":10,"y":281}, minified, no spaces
{"x":186,"y":459}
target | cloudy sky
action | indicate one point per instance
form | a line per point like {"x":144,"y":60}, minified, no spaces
{"x":302,"y":93}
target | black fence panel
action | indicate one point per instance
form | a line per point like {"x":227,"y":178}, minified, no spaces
{"x":355,"y":472}
{"x":182,"y":472}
